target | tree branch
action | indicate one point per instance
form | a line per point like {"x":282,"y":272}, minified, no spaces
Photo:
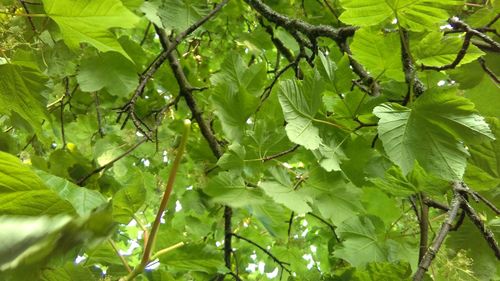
{"x":438,"y":241}
{"x":129,"y":107}
{"x":458,"y":58}
{"x":458,"y":24}
{"x":487,"y":234}
{"x":339,"y":35}
{"x":488,"y":71}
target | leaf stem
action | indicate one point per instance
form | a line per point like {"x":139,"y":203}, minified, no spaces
{"x":166,"y":250}
{"x":146,"y":256}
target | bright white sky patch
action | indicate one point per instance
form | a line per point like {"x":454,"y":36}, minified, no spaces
{"x":178,"y":206}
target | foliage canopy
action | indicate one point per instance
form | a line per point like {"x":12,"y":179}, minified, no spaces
{"x":330,"y":140}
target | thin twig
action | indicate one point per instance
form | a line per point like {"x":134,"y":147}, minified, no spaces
{"x":282,"y":153}
{"x":110,"y":163}
{"x":458,"y":24}
{"x":332,"y":228}
{"x":460,"y":55}
{"x":61,"y":116}
{"x":122,"y":259}
{"x":282,"y":264}
{"x":98,"y":112}
{"x":488,"y":71}
{"x":25,"y":7}
{"x":424,"y":228}
{"x":487,"y":233}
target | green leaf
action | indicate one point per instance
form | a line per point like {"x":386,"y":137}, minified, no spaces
{"x":230,"y":189}
{"x":195,"y":257}
{"x":364,"y":12}
{"x":82,"y":199}
{"x":300,"y":103}
{"x":431,"y":133}
{"x":418,"y":180}
{"x":22,"y":192}
{"x":294,"y":200}
{"x":236,"y":94}
{"x":361,"y":244}
{"x":32,"y":241}
{"x":21,"y":91}
{"x":110,"y":71}
{"x":69,"y":271}
{"x":90,"y":21}
{"x":437,"y":50}
{"x":379,"y":53}
{"x":485,"y":158}
{"x":484,"y":263}
{"x":23,"y":237}
{"x":127,"y":201}
{"x":233,"y":158}
{"x":178,"y":15}
{"x":335,"y":199}
{"x":416,"y":15}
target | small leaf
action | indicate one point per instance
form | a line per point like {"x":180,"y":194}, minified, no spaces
{"x":294,"y":200}
{"x":361,"y":244}
{"x":379,"y":53}
{"x":300,"y":103}
{"x":109,"y":70}
{"x":230,"y":189}
{"x":127,"y":201}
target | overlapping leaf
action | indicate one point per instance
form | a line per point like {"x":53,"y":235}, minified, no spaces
{"x":416,"y":15}
{"x":90,"y":21}
{"x":21,"y":91}
{"x":431,"y":133}
{"x":22,"y":192}
{"x":109,"y":70}
{"x":436,"y":50}
{"x":379,"y":53}
{"x":300,"y":103}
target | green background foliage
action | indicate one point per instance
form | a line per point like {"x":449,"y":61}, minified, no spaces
{"x":321,"y":132}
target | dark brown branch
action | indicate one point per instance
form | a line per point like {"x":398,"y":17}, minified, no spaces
{"x":492,"y":22}
{"x":279,"y":154}
{"x":458,"y":24}
{"x":312,"y":32}
{"x":290,"y":223}
{"x":434,"y":204}
{"x":143,"y":40}
{"x":155,"y":65}
{"x":186,"y":91}
{"x":373,"y":87}
{"x":488,"y":71}
{"x":438,"y":241}
{"x":487,"y":233}
{"x":424,"y":228}
{"x":415,"y":86}
{"x":304,"y":27}
{"x":282,"y":264}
